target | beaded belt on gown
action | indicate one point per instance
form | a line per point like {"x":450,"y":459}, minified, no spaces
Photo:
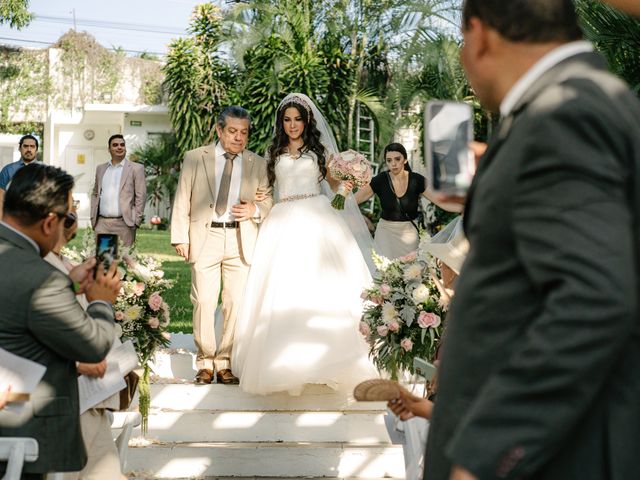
{"x":300,"y":196}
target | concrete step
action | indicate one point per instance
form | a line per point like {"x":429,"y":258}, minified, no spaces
{"x":229,"y":398}
{"x":364,"y":427}
{"x":266,"y":459}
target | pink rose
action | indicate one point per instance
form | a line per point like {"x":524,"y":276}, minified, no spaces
{"x":119,"y":316}
{"x":138,"y":289}
{"x":407,"y":344}
{"x":364,"y":329}
{"x":428,"y":319}
{"x":154,"y":322}
{"x":385,"y":289}
{"x":409,"y":257}
{"x":155,"y":301}
{"x":394,"y":326}
{"x":383,"y":330}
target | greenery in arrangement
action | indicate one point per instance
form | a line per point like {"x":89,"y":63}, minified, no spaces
{"x":404,"y":312}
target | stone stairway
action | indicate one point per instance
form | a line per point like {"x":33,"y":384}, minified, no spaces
{"x":219,"y":431}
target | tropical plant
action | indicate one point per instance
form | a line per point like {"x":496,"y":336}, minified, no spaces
{"x":616,"y":35}
{"x":15,"y":13}
{"x":197,"y":79}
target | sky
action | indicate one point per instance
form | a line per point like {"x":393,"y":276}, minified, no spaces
{"x":135,"y":25}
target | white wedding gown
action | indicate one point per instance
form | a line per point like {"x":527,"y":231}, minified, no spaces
{"x":298,"y":323}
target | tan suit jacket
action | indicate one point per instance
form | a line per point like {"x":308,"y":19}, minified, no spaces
{"x":133,"y":193}
{"x":196,"y":196}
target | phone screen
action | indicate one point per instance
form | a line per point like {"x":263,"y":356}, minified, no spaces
{"x":106,"y":249}
{"x":448,"y":130}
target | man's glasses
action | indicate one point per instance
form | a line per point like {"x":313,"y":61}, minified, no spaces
{"x":69,"y":218}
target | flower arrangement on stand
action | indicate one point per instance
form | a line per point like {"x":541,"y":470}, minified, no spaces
{"x":139,"y":309}
{"x":404,"y":312}
{"x":348,"y":166}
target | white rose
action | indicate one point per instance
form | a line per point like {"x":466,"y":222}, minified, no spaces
{"x":420,"y":293}
{"x":413,"y":272}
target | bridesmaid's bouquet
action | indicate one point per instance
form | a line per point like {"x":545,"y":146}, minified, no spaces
{"x":404,"y":312}
{"x":349,"y":166}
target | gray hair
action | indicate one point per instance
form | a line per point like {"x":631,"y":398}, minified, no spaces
{"x":233,"y":111}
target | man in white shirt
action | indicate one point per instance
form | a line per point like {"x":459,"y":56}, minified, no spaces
{"x":538,"y":374}
{"x":214,"y":226}
{"x":119,"y":194}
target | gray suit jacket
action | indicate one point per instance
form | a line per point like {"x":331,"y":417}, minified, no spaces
{"x":539,"y":374}
{"x":41,"y":320}
{"x":133,"y":193}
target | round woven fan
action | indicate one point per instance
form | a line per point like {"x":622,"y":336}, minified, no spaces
{"x":376,"y":390}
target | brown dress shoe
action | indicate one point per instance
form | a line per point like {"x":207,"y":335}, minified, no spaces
{"x":225,"y":376}
{"x":204,"y":377}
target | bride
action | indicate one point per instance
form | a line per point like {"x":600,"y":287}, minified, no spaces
{"x":298,"y":323}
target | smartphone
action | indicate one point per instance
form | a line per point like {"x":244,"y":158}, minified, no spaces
{"x":106,"y":249}
{"x":448,"y":130}
{"x":424,"y":368}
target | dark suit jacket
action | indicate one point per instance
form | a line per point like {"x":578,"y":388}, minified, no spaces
{"x":540,"y":375}
{"x":133,"y":193}
{"x":41,"y":320}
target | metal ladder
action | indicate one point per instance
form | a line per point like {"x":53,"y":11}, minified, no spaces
{"x":365,"y":144}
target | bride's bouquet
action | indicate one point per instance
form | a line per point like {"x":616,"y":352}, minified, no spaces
{"x":349,"y":166}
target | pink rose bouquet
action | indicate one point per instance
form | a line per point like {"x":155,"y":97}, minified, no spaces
{"x":349,"y":166}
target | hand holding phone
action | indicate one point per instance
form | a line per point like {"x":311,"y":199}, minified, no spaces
{"x":106,"y":250}
{"x":106,"y":285}
{"x":450,"y":161}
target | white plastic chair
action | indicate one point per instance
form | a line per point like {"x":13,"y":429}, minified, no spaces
{"x":126,"y":421}
{"x":15,"y":451}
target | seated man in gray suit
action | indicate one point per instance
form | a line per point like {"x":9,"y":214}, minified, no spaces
{"x":539,"y":371}
{"x":41,"y":320}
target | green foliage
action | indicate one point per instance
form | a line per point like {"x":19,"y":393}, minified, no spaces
{"x":15,"y":13}
{"x":161,"y":164}
{"x":197,"y":79}
{"x":616,"y":35}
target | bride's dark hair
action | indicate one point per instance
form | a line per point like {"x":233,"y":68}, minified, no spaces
{"x":310,"y":139}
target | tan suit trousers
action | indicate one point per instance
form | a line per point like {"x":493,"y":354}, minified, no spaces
{"x":220,"y":259}
{"x":103,"y":462}
{"x":116,"y":225}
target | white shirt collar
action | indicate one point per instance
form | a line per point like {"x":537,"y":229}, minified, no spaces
{"x":121,"y":164}
{"x":26,"y":237}
{"x":543,"y":65}
{"x":221,"y":151}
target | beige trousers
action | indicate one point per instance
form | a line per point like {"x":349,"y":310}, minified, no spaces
{"x":221,"y":259}
{"x":103,"y":462}
{"x":116,"y":225}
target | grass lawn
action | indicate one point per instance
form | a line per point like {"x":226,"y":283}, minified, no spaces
{"x":157,"y":243}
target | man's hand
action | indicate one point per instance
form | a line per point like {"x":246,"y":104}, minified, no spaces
{"x":183,"y":250}
{"x":82,"y":275}
{"x":459,"y":473}
{"x":106,"y":285}
{"x":407,"y":406}
{"x":243,"y":210}
{"x":96,"y":370}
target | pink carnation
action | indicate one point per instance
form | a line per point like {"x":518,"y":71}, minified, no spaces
{"x":428,"y":319}
{"x":385,"y":289}
{"x":410,"y":257}
{"x":154,"y":322}
{"x":119,"y":316}
{"x":383,"y":330}
{"x":394,"y":326}
{"x":155,"y":301}
{"x":407,"y":344}
{"x":364,"y":329}
{"x":138,"y":289}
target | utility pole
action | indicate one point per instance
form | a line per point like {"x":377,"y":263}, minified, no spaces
{"x":73,"y":11}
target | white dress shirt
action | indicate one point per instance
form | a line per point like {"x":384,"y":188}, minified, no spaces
{"x":234,"y":187}
{"x":110,"y":190}
{"x":542,"y":66}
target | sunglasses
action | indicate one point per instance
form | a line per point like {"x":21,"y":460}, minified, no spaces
{"x":69,"y":218}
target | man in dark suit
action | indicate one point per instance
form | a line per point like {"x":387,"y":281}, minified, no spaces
{"x":539,"y":374}
{"x":41,"y":320}
{"x":119,"y":194}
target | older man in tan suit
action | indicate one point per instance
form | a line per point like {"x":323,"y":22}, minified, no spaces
{"x":119,"y":194}
{"x":214,"y":227}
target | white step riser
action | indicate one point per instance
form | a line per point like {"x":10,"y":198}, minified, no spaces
{"x":230,"y":398}
{"x":341,"y":461}
{"x":363,"y":428}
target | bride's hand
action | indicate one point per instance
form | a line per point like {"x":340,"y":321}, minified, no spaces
{"x":347,"y":186}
